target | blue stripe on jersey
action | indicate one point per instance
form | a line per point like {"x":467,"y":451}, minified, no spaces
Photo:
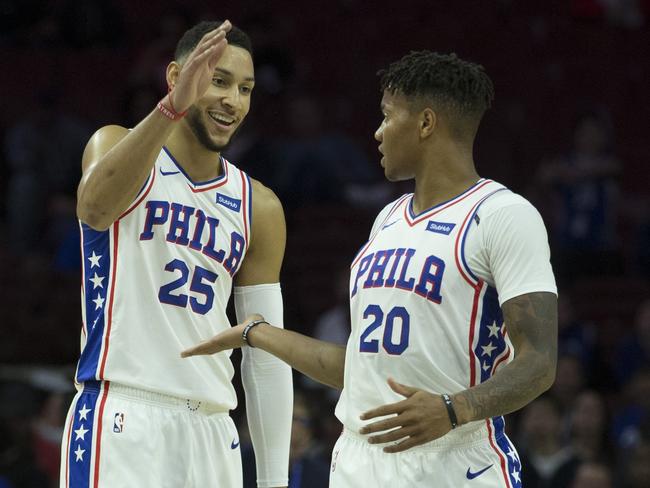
{"x":466,"y":231}
{"x":96,"y":266}
{"x":250,"y":207}
{"x":80,"y":448}
{"x":491,"y":341}
{"x":513,"y":464}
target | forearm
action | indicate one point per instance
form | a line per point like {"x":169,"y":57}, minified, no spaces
{"x":322,"y":361}
{"x":514,"y":386}
{"x":110,"y":183}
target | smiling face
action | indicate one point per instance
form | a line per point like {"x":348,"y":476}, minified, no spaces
{"x":398,"y":137}
{"x":217,"y":116}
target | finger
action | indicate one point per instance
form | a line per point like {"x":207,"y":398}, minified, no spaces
{"x":224,"y":28}
{"x":203,"y":348}
{"x":392,"y":436}
{"x":407,"y":443}
{"x":382,"y":425}
{"x":403,"y":390}
{"x":390,"y":409}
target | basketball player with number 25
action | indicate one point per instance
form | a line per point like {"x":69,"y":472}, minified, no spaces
{"x":167,"y":227}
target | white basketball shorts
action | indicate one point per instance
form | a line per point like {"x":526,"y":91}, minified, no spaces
{"x":474,"y":464}
{"x":120,"y":437}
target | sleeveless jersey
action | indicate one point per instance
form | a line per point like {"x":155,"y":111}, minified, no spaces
{"x":419,"y":314}
{"x":158,"y":281}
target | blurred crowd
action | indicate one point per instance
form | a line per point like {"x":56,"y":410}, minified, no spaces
{"x":567,"y":131}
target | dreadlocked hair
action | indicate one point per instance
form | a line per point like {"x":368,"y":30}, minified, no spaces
{"x":458,"y":85}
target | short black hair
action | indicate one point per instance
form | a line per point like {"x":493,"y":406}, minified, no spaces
{"x":458,"y":86}
{"x":235,"y":37}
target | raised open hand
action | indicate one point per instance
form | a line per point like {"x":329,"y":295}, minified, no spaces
{"x":197,"y":70}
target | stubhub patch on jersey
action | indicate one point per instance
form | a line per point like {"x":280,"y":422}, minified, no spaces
{"x":230,"y":203}
{"x":440,"y":227}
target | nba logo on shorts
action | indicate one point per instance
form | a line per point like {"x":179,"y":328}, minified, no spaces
{"x":118,"y":423}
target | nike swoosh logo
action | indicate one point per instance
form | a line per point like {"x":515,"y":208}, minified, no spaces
{"x":167,"y":173}
{"x":234,"y":444}
{"x":471,"y":476}
{"x":388,"y":225}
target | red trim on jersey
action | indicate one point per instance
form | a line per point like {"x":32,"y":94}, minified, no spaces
{"x":500,"y":360}
{"x":67,"y":445}
{"x":472,"y":328}
{"x":504,"y":468}
{"x":244,"y":201}
{"x":430,"y":213}
{"x":372,"y":238}
{"x":142,"y":197}
{"x":109,"y":318}
{"x":216,"y":185}
{"x":83,"y":280}
{"x":98,"y":437}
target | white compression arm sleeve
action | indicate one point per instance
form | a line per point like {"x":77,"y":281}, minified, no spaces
{"x":269,"y":389}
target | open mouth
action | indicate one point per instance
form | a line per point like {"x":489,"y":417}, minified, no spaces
{"x":222,"y":120}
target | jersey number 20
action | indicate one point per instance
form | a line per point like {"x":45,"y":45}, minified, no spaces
{"x":396,"y":317}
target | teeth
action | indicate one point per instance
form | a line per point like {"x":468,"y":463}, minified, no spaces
{"x":222,"y":118}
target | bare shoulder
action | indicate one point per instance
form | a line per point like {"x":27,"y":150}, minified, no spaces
{"x":267,"y":208}
{"x":268,"y":239}
{"x":101,"y":142}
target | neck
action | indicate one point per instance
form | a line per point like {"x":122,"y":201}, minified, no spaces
{"x":198,"y":162}
{"x":442,"y":178}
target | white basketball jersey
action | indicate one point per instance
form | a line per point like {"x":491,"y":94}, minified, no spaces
{"x":158,"y":281}
{"x":419,"y":314}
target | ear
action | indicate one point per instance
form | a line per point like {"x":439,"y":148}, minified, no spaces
{"x":428,"y":122}
{"x":173,"y":70}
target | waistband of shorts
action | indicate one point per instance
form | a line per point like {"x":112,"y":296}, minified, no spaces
{"x":469,"y":435}
{"x":155,"y":398}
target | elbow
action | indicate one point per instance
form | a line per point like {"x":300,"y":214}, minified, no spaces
{"x":547,"y":374}
{"x":92,"y":217}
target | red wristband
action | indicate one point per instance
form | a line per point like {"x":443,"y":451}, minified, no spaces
{"x":170,"y":113}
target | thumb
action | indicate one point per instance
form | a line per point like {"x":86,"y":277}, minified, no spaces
{"x":403,"y":390}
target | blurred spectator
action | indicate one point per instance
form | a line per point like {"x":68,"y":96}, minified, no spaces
{"x":576,"y":337}
{"x":633,"y":352}
{"x":636,"y":467}
{"x":569,"y":382}
{"x":589,"y":429}
{"x":19,"y":405}
{"x":585,"y":185}
{"x":44,"y":152}
{"x":546,"y":461}
{"x":315,"y":164}
{"x":635,"y":412}
{"x":308,"y":466}
{"x":592,"y":475}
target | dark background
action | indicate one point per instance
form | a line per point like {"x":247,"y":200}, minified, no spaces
{"x":71,"y":67}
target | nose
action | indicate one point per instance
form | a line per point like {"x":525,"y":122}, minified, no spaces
{"x":232,"y":98}
{"x":379,"y":133}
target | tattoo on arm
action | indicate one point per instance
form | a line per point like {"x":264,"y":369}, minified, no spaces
{"x":531,"y":323}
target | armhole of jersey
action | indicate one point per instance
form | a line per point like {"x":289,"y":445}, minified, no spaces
{"x":461,"y":239}
{"x":377,"y":228}
{"x":247,"y":206}
{"x":146,"y":188}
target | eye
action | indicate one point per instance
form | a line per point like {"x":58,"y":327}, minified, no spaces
{"x":218,"y":81}
{"x":246,"y":89}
